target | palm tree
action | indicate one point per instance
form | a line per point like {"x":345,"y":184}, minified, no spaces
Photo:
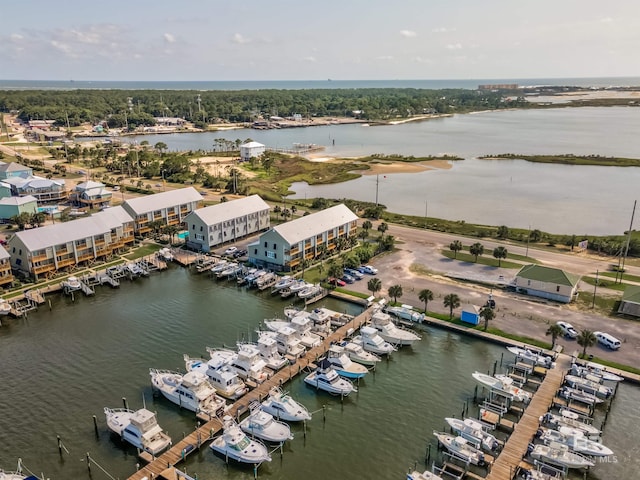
{"x":451,"y":301}
{"x":366,"y":226}
{"x":586,"y":339}
{"x":487,"y":314}
{"x":335,"y":271}
{"x":304,"y":264}
{"x":503,"y":231}
{"x":382,"y":228}
{"x":455,"y":247}
{"x":500,"y":253}
{"x":425,"y":296}
{"x":555,"y":331}
{"x":476,"y":249}
{"x":395,"y":291}
{"x":374,"y":286}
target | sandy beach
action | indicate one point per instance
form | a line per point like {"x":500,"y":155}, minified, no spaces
{"x":384,"y":168}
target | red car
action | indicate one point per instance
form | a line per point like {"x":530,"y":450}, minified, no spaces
{"x":336,"y":281}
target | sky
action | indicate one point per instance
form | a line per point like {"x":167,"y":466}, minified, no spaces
{"x":303,"y":40}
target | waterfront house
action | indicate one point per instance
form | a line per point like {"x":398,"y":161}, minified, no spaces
{"x":91,"y":194}
{"x":44,"y":250}
{"x":251,"y":150}
{"x":6,"y":276}
{"x":284,"y":247}
{"x":14,"y":169}
{"x":167,"y":208}
{"x":546,"y":282}
{"x":13,"y":206}
{"x":226,"y":222}
{"x":45,"y":190}
{"x":630,"y":304}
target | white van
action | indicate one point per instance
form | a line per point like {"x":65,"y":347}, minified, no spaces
{"x":607,"y":340}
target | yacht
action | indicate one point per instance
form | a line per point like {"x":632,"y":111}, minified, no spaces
{"x":288,"y":342}
{"x":504,"y":384}
{"x":473,"y":431}
{"x":460,"y":448}
{"x":268,"y":349}
{"x":557,"y":454}
{"x":262,"y":425}
{"x":5,"y":307}
{"x":302,"y":324}
{"x":570,"y":419}
{"x":588,"y":385}
{"x":192,"y":391}
{"x":249,"y":365}
{"x":389,"y":332}
{"x":226,"y":381}
{"x":575,"y":441}
{"x":139,"y":428}
{"x":406,"y":312}
{"x":535,"y":356}
{"x":309,"y":291}
{"x":234,"y":444}
{"x":426,"y":475}
{"x":372,"y":342}
{"x":17,"y":475}
{"x":283,"y":407}
{"x":284,"y":282}
{"x":359,"y":355}
{"x":220,"y":356}
{"x":71,"y":284}
{"x":324,"y":377}
{"x":219,"y":267}
{"x":341,"y":362}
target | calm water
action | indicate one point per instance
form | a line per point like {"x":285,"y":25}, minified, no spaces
{"x":62,"y":366}
{"x":554,"y":198}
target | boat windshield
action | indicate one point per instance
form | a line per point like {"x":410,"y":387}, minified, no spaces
{"x":242,"y":444}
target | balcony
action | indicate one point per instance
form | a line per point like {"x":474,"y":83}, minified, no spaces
{"x":50,"y":267}
{"x":85,"y":256}
{"x":39,"y":258}
{"x":65,"y":263}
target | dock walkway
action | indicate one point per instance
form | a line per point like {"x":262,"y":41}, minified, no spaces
{"x":504,"y":468}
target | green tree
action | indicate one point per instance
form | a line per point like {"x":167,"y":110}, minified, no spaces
{"x":425,"y":296}
{"x":586,"y":339}
{"x":555,"y":331}
{"x":455,"y":247}
{"x":374,"y":286}
{"x":160,"y":147}
{"x":21,"y":220}
{"x":335,"y":271}
{"x":476,"y":250}
{"x":503,"y":232}
{"x":366,"y":226}
{"x":500,"y":253}
{"x":395,"y":291}
{"x":37,"y":219}
{"x":535,"y":236}
{"x":382,"y":228}
{"x":487,"y":314}
{"x":451,"y":301}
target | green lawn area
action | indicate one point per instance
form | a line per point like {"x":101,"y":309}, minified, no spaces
{"x":143,"y":251}
{"x":625,"y":276}
{"x":490,"y":261}
{"x":605,"y":283}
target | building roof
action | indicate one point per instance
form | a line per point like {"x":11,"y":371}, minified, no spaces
{"x":18,"y":200}
{"x":4,"y":255}
{"x":32,"y":181}
{"x":549,"y":275}
{"x":13,"y":167}
{"x":631,"y":294}
{"x":251,"y":145}
{"x":158,"y":201}
{"x":114,"y":216}
{"x":229,"y":210}
{"x":89,"y":185}
{"x":310,"y":225}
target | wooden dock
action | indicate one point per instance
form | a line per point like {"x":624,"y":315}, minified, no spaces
{"x":210,"y":428}
{"x":505,"y":466}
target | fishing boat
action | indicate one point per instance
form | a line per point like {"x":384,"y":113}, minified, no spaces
{"x":580,"y":396}
{"x":17,"y":475}
{"x":372,"y":342}
{"x":504,"y":384}
{"x":571,"y":419}
{"x":534,"y":356}
{"x":588,"y":385}
{"x":320,"y":319}
{"x":359,"y":355}
{"x":575,"y":441}
{"x":297,"y":286}
{"x":343,"y":364}
{"x":192,"y":391}
{"x":219,"y":267}
{"x":594,"y":372}
{"x":460,"y":448}
{"x":283,"y":407}
{"x":220,"y":356}
{"x":249,"y":365}
{"x":309,"y":291}
{"x":284,"y":282}
{"x":262,"y":425}
{"x":391,"y":333}
{"x":234,"y":444}
{"x":165,"y":254}
{"x":266,"y":280}
{"x":268,"y":349}
{"x":426,"y":475}
{"x":288,"y":342}
{"x":226,"y":381}
{"x":134,"y":269}
{"x":324,"y":377}
{"x":5,"y":307}
{"x":557,"y":454}
{"x":139,"y":428}
{"x":406,"y":312}
{"x":473,"y":431}
{"x":71,"y":284}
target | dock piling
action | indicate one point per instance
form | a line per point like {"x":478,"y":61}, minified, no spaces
{"x":95,"y":425}
{"x":59,"y":445}
{"x":124,"y":403}
{"x":88,"y":463}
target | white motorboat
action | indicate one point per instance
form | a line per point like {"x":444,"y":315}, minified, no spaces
{"x":235,"y":444}
{"x":265,"y":280}
{"x":302,"y":324}
{"x":297,"y":286}
{"x":576,"y":442}
{"x":580,"y":396}
{"x":571,"y":419}
{"x":231,"y":269}
{"x":288,"y":341}
{"x":460,"y":448}
{"x":473,"y":431}
{"x":343,"y":364}
{"x":320,"y":319}
{"x":5,"y":307}
{"x":588,"y":385}
{"x":309,"y":291}
{"x":284,"y":282}
{"x":324,"y":377}
{"x":135,"y":269}
{"x":192,"y":391}
{"x":17,"y":475}
{"x":557,"y":454}
{"x":165,"y":254}
{"x":426,"y":475}
{"x":601,"y":370}
{"x":249,"y":365}
{"x":283,"y":407}
{"x":372,"y":342}
{"x":139,"y":428}
{"x":534,"y":356}
{"x":220,"y":356}
{"x":219,"y":267}
{"x":276,"y":324}
{"x":71,"y":284}
{"x":390,"y":332}
{"x":226,"y":381}
{"x":268,"y":349}
{"x":593,"y":373}
{"x":358,"y":354}
{"x":262,"y":425}
{"x":504,"y":384}
{"x":406,"y":312}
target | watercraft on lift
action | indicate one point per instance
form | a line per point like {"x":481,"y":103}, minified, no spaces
{"x":139,"y":428}
{"x":262,"y":425}
{"x":165,"y":254}
{"x":503,"y":384}
{"x":570,"y":419}
{"x":406,"y":312}
{"x":473,"y":431}
{"x":461,"y":448}
{"x":588,"y":385}
{"x":71,"y":284}
{"x":5,"y":307}
{"x":309,"y":291}
{"x":226,"y":381}
{"x":426,"y":475}
{"x":557,"y":454}
{"x":372,"y":342}
{"x":576,"y":442}
{"x":192,"y":391}
{"x":343,"y":364}
{"x":390,"y":332}
{"x":598,"y":375}
{"x":284,"y":282}
{"x":280,"y":404}
{"x":534,"y":356}
{"x":359,"y":355}
{"x":236,"y":445}
{"x":580,"y":396}
{"x":325,"y":377}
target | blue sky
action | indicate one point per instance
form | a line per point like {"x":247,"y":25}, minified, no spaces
{"x":302,"y":40}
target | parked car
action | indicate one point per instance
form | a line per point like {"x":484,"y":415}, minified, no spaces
{"x":370,"y":270}
{"x":361,"y":270}
{"x":336,"y":281}
{"x":230,"y":250}
{"x":239,"y":253}
{"x":607,"y":340}
{"x":567,"y":330}
{"x":348,"y":278}
{"x":354,"y":273}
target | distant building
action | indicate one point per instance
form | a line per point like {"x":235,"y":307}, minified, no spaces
{"x":170,"y":121}
{"x":499,"y":86}
{"x":6,"y":276}
{"x":285,"y":246}
{"x":630,"y":304}
{"x":226,"y":222}
{"x":251,"y":149}
{"x":547,"y":282}
{"x":13,"y":206}
{"x":91,"y":195}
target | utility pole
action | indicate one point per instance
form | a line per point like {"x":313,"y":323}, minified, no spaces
{"x":528,"y":235}
{"x":426,"y":213}
{"x":626,"y":250}
{"x":595,"y":288}
{"x":377,"y":182}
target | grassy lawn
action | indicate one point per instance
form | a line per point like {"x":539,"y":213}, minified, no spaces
{"x":605,"y":283}
{"x":625,"y":276}
{"x":490,"y":261}
{"x":143,"y":251}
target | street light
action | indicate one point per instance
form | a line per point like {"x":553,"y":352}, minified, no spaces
{"x":162,"y":173}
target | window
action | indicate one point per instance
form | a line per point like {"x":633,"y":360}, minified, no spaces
{"x":199,"y":237}
{"x":275,"y":246}
{"x":265,"y":244}
{"x":255,"y":251}
{"x":200,"y":227}
{"x":193,"y":226}
{"x":270,"y":254}
{"x":558,"y":288}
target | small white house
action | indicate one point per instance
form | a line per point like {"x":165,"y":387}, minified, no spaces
{"x":251,"y":150}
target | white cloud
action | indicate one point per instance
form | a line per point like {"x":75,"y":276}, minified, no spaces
{"x":454,"y":46}
{"x":16,"y":37}
{"x":408,"y":33}
{"x":606,"y":20}
{"x":385,"y":57}
{"x":240,"y":39}
{"x":420,"y":59}
{"x":309,"y":59}
{"x":443,"y":30}
{"x":169,"y":38}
